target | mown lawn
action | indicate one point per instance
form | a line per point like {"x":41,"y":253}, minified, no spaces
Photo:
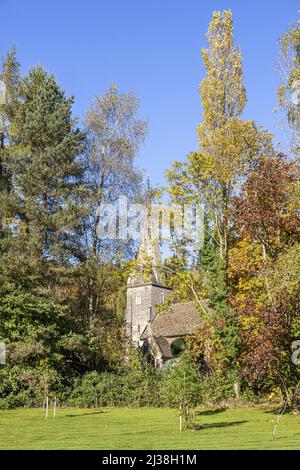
{"x":146,"y":429}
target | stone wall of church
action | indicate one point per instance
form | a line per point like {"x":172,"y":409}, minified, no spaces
{"x":141,"y":301}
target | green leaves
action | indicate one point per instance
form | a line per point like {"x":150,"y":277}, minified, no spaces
{"x":222,"y":90}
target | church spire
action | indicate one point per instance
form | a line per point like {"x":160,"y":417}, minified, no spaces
{"x":148,"y":258}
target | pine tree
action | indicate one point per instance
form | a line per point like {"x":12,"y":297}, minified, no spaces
{"x":43,"y":157}
{"x":10,"y":82}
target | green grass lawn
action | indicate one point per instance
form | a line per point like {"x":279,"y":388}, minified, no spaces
{"x":146,"y":429}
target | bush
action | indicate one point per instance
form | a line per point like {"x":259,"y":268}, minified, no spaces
{"x":133,"y":386}
{"x":181,"y":382}
{"x":217,"y":387}
{"x":97,"y":390}
{"x":137,"y":384}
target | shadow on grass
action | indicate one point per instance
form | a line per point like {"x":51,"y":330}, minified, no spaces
{"x":92,"y":413}
{"x":276,"y":411}
{"x":223,"y":424}
{"x":210,"y":412}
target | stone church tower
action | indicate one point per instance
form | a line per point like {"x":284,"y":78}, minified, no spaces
{"x":145,"y":287}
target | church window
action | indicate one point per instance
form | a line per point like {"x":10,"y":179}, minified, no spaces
{"x":162,"y":298}
{"x":177,"y":347}
{"x":138,"y":300}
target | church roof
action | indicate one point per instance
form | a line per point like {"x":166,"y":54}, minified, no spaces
{"x":181,"y":320}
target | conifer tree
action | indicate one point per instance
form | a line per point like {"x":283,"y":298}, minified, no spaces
{"x":10,"y":81}
{"x":43,"y":157}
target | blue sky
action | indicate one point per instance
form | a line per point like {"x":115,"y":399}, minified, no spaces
{"x":154,"y":47}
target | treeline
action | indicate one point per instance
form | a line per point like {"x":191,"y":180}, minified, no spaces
{"x":62,"y":288}
{"x":249,"y":265}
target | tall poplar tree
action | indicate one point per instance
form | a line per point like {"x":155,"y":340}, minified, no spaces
{"x":228,"y":148}
{"x":289,"y":91}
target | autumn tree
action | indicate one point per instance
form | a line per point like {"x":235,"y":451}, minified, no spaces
{"x":289,"y":91}
{"x":267,"y":207}
{"x":186,"y":281}
{"x":265,"y":280}
{"x":228,"y":148}
{"x":114,"y":136}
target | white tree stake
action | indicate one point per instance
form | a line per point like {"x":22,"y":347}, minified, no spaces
{"x":47,"y":406}
{"x":54,"y":408}
{"x":180,"y":418}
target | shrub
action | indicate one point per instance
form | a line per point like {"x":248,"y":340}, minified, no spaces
{"x":181,"y":382}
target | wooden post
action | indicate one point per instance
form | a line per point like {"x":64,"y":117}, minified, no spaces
{"x":194,"y":420}
{"x":54,"y":407}
{"x":236,"y":389}
{"x":186,"y":416}
{"x":180,"y":418}
{"x":47,"y":407}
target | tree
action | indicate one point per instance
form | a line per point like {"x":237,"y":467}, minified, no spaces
{"x":31,"y":327}
{"x":10,"y":80}
{"x":43,"y":157}
{"x":114,"y":138}
{"x":40,"y":215}
{"x":265,"y":284}
{"x":115,"y":135}
{"x":228,"y":148}
{"x":289,"y":91}
{"x":267,"y":209}
{"x":181,"y":386}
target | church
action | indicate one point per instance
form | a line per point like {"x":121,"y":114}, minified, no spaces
{"x":159,"y":335}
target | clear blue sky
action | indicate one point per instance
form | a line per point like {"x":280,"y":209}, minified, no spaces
{"x":154,"y":47}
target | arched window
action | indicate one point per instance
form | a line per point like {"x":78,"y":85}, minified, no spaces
{"x":177,"y":347}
